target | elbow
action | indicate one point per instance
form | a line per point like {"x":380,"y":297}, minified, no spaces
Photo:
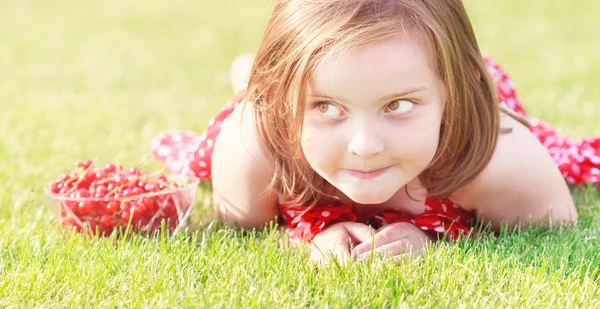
{"x":241,"y":221}
{"x":562,"y":210}
{"x":246,"y":218}
{"x":560,"y":217}
{"x":556,"y":217}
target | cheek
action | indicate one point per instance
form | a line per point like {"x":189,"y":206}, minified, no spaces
{"x":415,"y":144}
{"x":322,"y":147}
{"x":430,"y":138}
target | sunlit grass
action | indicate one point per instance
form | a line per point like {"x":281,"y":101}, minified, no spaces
{"x":99,"y":79}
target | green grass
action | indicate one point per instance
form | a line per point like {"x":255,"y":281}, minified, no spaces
{"x":98,"y":79}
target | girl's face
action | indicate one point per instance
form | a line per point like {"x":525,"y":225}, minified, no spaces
{"x":373,"y":118}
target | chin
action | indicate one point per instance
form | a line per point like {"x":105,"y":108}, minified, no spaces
{"x":362,"y":196}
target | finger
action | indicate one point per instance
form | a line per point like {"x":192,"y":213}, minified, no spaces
{"x":323,"y":253}
{"x":385,"y":235}
{"x":359,"y":232}
{"x":333,"y":242}
{"x":395,"y":248}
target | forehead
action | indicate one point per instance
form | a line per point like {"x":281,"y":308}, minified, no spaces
{"x":382,"y":67}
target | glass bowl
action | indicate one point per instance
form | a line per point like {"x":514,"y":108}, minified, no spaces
{"x":144,"y":213}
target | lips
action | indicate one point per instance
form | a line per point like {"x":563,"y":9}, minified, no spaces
{"x":370,"y":174}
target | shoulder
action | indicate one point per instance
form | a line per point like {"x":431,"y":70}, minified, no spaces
{"x":238,"y":136}
{"x":521,"y":183}
{"x":241,"y":172}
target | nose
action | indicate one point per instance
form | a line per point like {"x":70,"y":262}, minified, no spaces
{"x":365,"y":143}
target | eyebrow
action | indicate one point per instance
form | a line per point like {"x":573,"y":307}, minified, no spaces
{"x":385,"y":98}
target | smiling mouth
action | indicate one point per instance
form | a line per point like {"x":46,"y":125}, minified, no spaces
{"x":367,"y":174}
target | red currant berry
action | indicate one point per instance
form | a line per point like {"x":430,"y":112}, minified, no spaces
{"x":137,"y":191}
{"x":138,"y":210}
{"x":106,"y":220}
{"x":112,"y":207}
{"x":84,"y":164}
{"x":82,"y":193}
{"x":111,"y":186}
{"x":150,"y":187}
{"x":150,"y":205}
{"x":101,"y":174}
{"x":55,"y":187}
{"x":101,"y":188}
{"x":126,"y":193}
{"x":125,"y":216}
{"x":143,"y":221}
{"x":110,"y":168}
{"x":85,"y":208}
{"x":92,"y":225}
{"x":126,"y":206}
{"x":169,"y":210}
{"x":105,"y":231}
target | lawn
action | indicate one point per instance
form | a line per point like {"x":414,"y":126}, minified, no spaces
{"x":99,"y":79}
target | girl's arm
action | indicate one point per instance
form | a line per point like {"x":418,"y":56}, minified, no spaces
{"x":241,"y":173}
{"x":520,"y":185}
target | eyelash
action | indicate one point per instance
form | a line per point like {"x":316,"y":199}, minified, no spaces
{"x":316,"y":106}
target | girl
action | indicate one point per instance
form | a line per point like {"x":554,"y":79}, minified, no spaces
{"x":379,"y":122}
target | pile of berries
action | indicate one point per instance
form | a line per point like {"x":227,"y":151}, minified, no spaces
{"x":108,"y":198}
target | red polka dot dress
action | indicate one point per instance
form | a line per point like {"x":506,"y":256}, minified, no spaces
{"x":190,"y":153}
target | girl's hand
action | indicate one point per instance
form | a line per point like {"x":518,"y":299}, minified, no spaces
{"x":398,"y":240}
{"x":334,"y":242}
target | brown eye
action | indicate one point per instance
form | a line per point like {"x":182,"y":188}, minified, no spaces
{"x":400,"y":106}
{"x":328,"y":110}
{"x":394,"y":105}
{"x":323,"y":107}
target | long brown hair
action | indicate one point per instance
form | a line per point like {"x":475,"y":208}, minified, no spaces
{"x":301,"y":34}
